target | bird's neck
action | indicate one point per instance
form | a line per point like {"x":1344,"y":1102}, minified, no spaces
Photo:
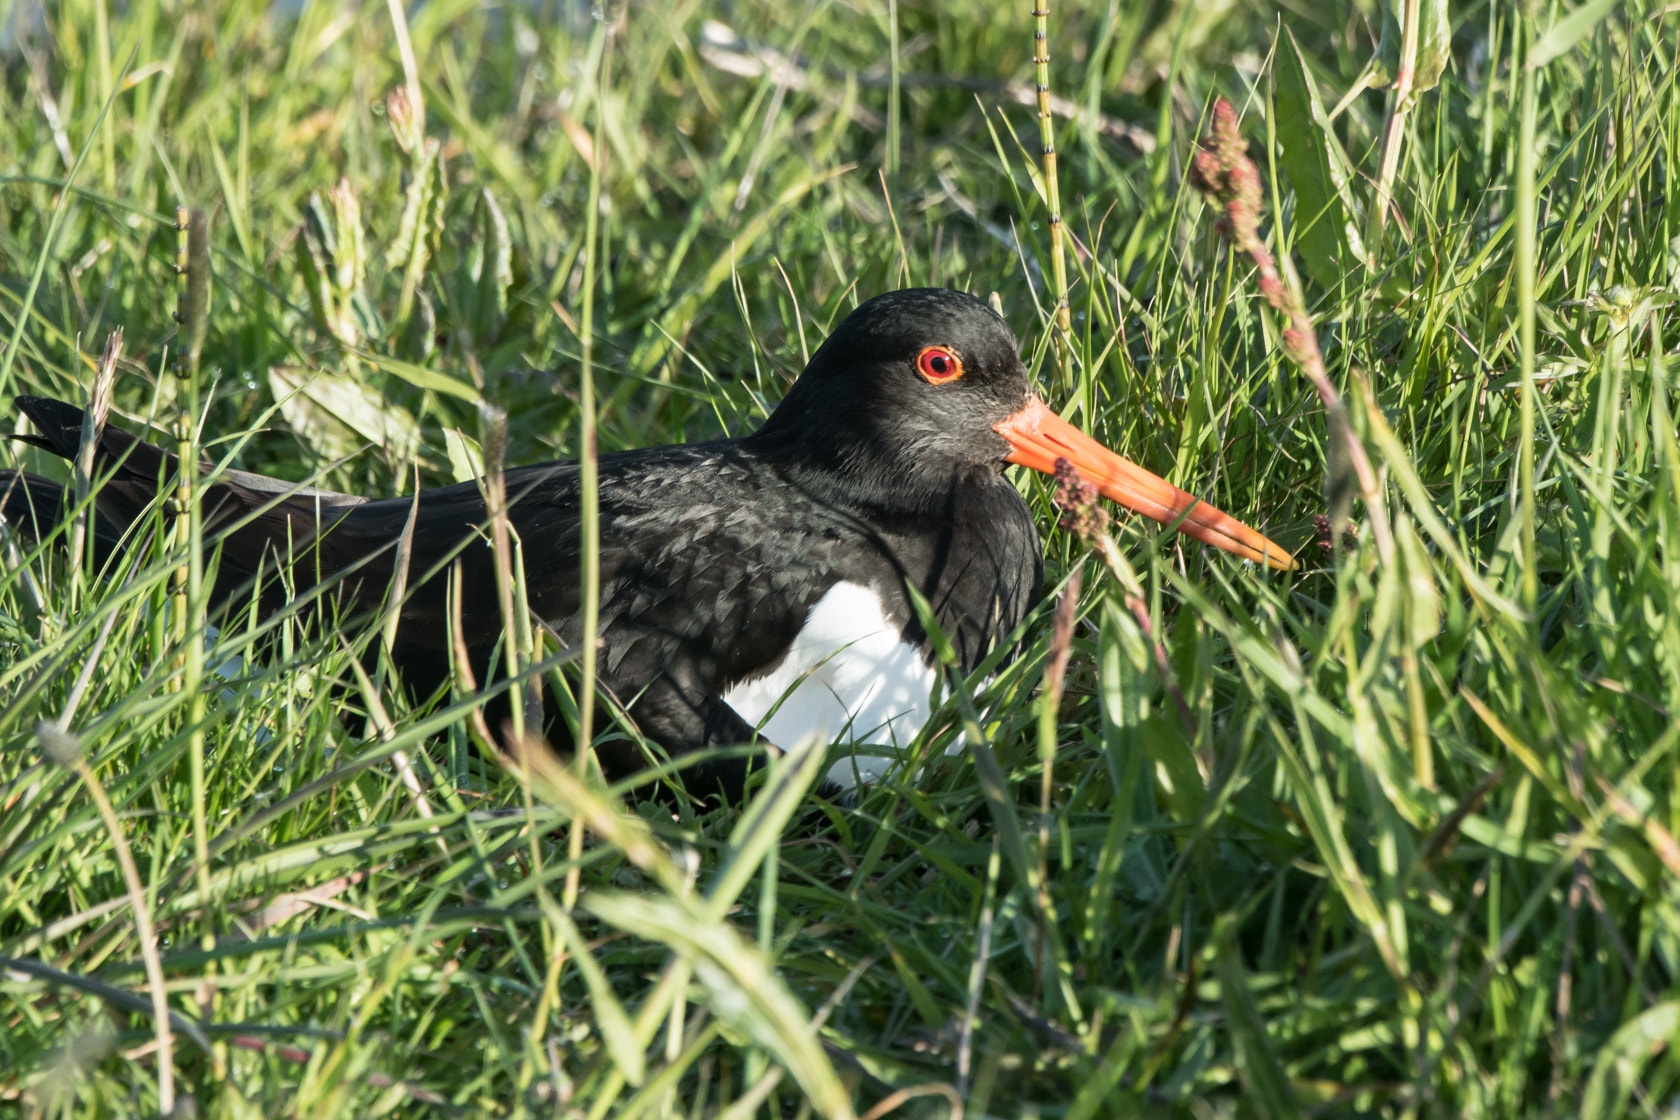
{"x":863,"y":479}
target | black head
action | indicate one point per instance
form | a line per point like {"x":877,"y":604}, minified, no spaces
{"x":923,"y":390}
{"x":904,"y":397}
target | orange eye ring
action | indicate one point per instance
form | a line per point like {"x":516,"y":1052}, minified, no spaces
{"x":939,"y":365}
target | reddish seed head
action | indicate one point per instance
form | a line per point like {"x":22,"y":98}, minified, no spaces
{"x":1206,"y":174}
{"x":399,"y":115}
{"x":1222,"y":171}
{"x":1077,"y":499}
{"x":1225,"y":132}
{"x":1326,"y":541}
{"x":1295,"y":344}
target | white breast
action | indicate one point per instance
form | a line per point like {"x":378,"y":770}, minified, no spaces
{"x":848,"y":676}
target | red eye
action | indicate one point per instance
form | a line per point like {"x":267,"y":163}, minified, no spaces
{"x":939,"y":364}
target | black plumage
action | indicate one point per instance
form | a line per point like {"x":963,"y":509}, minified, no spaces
{"x":712,"y":554}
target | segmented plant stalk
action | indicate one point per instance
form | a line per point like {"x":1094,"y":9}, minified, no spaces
{"x":1052,"y":196}
{"x":192,"y":268}
{"x":1526,"y":248}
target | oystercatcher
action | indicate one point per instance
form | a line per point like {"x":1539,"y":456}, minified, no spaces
{"x":751,"y":589}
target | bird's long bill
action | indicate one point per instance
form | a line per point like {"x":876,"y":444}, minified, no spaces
{"x":1040,"y":437}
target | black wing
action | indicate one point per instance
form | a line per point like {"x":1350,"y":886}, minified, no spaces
{"x":701,"y":584}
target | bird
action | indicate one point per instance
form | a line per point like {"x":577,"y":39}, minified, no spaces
{"x":753,"y":589}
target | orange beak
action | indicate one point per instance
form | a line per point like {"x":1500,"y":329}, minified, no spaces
{"x":1040,"y":437}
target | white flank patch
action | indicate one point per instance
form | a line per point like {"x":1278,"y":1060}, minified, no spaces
{"x":849,"y":675}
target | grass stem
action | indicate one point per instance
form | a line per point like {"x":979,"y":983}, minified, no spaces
{"x":589,"y":484}
{"x":1062,"y":316}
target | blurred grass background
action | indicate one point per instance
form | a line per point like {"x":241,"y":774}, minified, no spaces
{"x":1391,"y":836}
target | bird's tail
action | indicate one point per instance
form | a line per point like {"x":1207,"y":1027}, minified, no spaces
{"x":247,"y":516}
{"x":30,"y":504}
{"x":38,"y":508}
{"x":131,"y":467}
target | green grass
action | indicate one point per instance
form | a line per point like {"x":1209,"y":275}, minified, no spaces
{"x":1392,"y":836}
